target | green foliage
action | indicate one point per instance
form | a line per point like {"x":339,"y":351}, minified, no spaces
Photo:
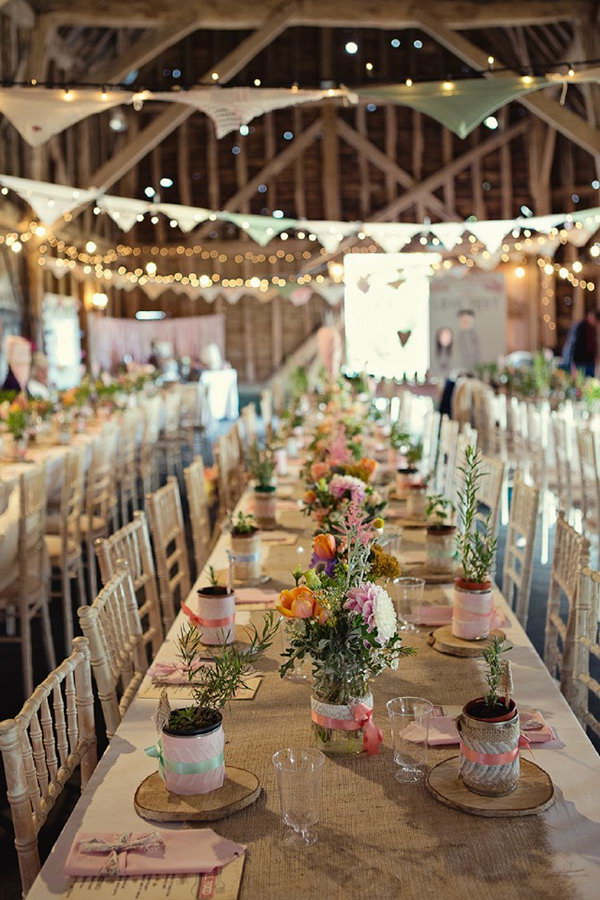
{"x":261,"y":464}
{"x":475,"y":542}
{"x":440,"y":509}
{"x":492,"y":655}
{"x":299,"y":382}
{"x":213,"y":578}
{"x":244,"y":524}
{"x":216,"y":684}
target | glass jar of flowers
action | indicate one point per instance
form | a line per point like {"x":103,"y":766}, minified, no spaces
{"x":17,"y":417}
{"x":346,"y":624}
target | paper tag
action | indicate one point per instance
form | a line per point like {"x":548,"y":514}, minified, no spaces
{"x":150,"y":691}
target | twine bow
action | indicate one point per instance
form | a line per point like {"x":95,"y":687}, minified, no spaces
{"x":122,"y":843}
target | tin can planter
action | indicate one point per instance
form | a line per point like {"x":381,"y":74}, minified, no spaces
{"x":192,"y":763}
{"x":216,"y":611}
{"x":472,"y":609}
{"x":489,"y":749}
{"x":440,"y":548}
{"x":265,"y":507}
{"x":405,"y":477}
{"x":416,"y":501}
{"x":246,"y":556}
{"x":335,"y":728}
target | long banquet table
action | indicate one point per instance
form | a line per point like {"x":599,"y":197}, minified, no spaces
{"x":378,"y":838}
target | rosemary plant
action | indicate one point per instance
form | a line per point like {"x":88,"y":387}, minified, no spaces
{"x":261,"y":464}
{"x":475,"y":542}
{"x":492,"y":655}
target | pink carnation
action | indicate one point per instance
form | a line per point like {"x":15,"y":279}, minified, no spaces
{"x":375,"y":606}
{"x":341,"y":484}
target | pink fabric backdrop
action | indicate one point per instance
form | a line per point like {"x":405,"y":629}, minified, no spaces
{"x":112,"y":339}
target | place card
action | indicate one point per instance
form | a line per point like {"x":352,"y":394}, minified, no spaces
{"x":224,"y":884}
{"x":255,"y":599}
{"x":280,"y":538}
{"x":152,"y":691}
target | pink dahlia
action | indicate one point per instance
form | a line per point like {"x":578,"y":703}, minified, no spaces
{"x":342,"y":484}
{"x":375,"y":606}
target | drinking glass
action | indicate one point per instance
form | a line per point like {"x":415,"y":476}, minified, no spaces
{"x":409,"y":722}
{"x":299,"y":776}
{"x":391,"y":540}
{"x":406,"y":594}
{"x":301,"y":669}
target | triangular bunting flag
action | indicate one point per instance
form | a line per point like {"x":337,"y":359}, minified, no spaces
{"x":261,"y":229}
{"x":490,"y":233}
{"x":187,"y":217}
{"x":448,"y":233}
{"x":391,"y":236}
{"x":154,"y":289}
{"x":331,"y":292}
{"x":49,"y":201}
{"x":329,"y":234}
{"x":123,"y":210}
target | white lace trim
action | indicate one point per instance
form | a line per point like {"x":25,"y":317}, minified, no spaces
{"x":333,"y":711}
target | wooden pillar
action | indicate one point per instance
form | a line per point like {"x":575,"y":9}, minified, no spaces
{"x":547,"y":309}
{"x":276,"y":333}
{"x":249,"y":339}
{"x":35,"y":292}
{"x":330,"y":173}
{"x":506,"y":173}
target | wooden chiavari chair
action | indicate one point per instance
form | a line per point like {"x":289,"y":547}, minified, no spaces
{"x":25,"y":590}
{"x":571,"y":552}
{"x":127,"y":467}
{"x":147,"y":457}
{"x":113,"y":628}
{"x":64,"y":547}
{"x":586,"y":647}
{"x":168,"y":536}
{"x":101,"y":501}
{"x":444,"y":470}
{"x":520,"y":542}
{"x":199,"y":512}
{"x":490,"y":490}
{"x":266,"y":412}
{"x":588,"y":447}
{"x":48,"y":740}
{"x":132,"y":544}
{"x":250,"y":425}
{"x":170,"y":439}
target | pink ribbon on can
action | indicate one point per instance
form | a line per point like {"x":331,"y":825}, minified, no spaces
{"x":215,"y":623}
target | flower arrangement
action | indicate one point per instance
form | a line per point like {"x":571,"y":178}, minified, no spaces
{"x":327,"y":501}
{"x":17,"y":416}
{"x":345,"y":623}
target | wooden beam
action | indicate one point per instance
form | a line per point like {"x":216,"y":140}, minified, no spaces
{"x":330,"y":174}
{"x":146,"y":48}
{"x":37,"y":58}
{"x":165,"y":123}
{"x":392,"y":169}
{"x":239,"y":14}
{"x":568,"y":123}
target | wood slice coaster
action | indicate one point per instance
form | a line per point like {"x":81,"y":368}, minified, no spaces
{"x":533,"y":794}
{"x":153,"y":801}
{"x":444,"y":641}
{"x":418,"y":570}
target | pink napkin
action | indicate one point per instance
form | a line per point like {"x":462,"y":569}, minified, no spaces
{"x":256,"y":595}
{"x":442,"y":615}
{"x":442,"y":730}
{"x":286,"y":504}
{"x":185,"y":852}
{"x":171,"y":672}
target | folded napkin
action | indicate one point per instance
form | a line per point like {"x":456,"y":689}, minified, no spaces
{"x":443,"y":731}
{"x":278,"y":537}
{"x":287,"y":504}
{"x":256,"y":595}
{"x":172,"y":672}
{"x":442,"y":615}
{"x":185,"y":852}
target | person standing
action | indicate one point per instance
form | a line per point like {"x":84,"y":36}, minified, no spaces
{"x":585,"y":344}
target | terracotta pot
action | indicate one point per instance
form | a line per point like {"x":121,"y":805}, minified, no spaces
{"x":216,"y":610}
{"x":472,"y":609}
{"x":202,"y":751}
{"x":246,"y":552}
{"x":416,"y":502}
{"x":265,"y":507}
{"x":440,"y":547}
{"x":489,"y":750}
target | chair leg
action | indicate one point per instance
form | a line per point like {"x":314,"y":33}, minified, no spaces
{"x":26,"y":656}
{"x":83,"y":599}
{"x":67,"y":606}
{"x":47,"y":634}
{"x":91,"y":562}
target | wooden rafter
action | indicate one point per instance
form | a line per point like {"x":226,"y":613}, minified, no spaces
{"x":239,"y":14}
{"x":390,"y":211}
{"x":571,"y":125}
{"x":392,"y":169}
{"x":165,"y":123}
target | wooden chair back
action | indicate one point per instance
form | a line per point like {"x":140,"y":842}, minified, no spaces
{"x":518,"y":553}
{"x":563,"y":461}
{"x":51,"y":737}
{"x":571,"y":552}
{"x":586,"y":652}
{"x":199,"y":513}
{"x":71,"y":498}
{"x":589,"y":466}
{"x":132,"y":544}
{"x":100,"y":492}
{"x":444,"y":471}
{"x":266,"y":412}
{"x":113,"y":628}
{"x":490,"y":490}
{"x":172,"y":413}
{"x":168,"y":536}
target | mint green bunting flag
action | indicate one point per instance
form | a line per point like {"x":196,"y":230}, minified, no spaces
{"x":261,"y":229}
{"x":459,"y":105}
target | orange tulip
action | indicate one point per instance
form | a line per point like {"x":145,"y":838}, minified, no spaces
{"x":368,"y":465}
{"x":297,"y":603}
{"x":318,"y":470}
{"x":310,"y":497}
{"x":324,"y":546}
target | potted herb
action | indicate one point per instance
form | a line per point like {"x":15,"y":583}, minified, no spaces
{"x":261,"y":464}
{"x":489,"y":731}
{"x":440,"y":544}
{"x":191,"y":742}
{"x":216,"y":611}
{"x":245,"y":548}
{"x":473,"y":605}
{"x":408,"y":473}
